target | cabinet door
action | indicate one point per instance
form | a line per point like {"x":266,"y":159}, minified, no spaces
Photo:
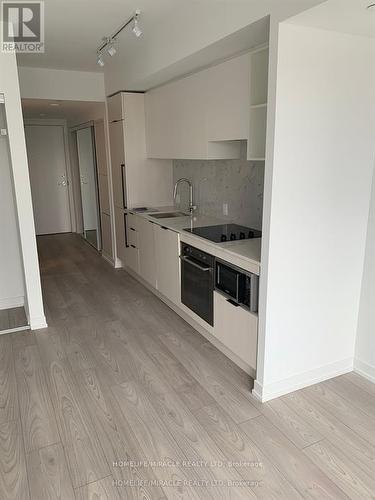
{"x":120,"y":233}
{"x":116,"y":135}
{"x":146,"y":245}
{"x":114,"y":105}
{"x":167,"y":263}
{"x":236,"y":328}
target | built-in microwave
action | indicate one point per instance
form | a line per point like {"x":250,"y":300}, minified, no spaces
{"x":237,"y":284}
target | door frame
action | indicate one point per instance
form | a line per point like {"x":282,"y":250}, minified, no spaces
{"x":73,"y":130}
{"x":71,"y":198}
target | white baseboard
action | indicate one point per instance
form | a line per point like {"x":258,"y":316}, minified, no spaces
{"x":296,"y":382}
{"x":367,"y":371}
{"x":11,"y":302}
{"x":118,"y":263}
{"x":36,"y":323}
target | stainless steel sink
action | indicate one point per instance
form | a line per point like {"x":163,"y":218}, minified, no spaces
{"x":168,"y":215}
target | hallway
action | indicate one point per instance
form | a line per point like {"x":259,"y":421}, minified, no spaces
{"x":118,"y":377}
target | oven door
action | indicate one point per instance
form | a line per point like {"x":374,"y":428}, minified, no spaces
{"x":197,"y":285}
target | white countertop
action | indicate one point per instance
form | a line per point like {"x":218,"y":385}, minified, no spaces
{"x":245,"y":254}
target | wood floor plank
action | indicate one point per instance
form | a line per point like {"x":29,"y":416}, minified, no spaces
{"x":308,"y":479}
{"x":85,"y":457}
{"x":13,"y":475}
{"x":360,"y":381}
{"x":348,"y":413}
{"x":8,"y":384}
{"x":155,"y":440}
{"x":117,"y":439}
{"x":354,"y":394}
{"x":328,"y":425}
{"x":342,"y":471}
{"x":4,"y":319}
{"x":17,"y":317}
{"x":226,"y":395}
{"x":249,"y":460}
{"x":289,"y":423}
{"x":99,"y":490}
{"x":48,"y":474}
{"x":50,"y":345}
{"x":38,"y":418}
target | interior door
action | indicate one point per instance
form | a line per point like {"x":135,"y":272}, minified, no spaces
{"x":89,"y":186}
{"x":48,"y":178}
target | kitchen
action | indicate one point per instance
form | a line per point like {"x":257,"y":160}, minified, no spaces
{"x":192,"y":232}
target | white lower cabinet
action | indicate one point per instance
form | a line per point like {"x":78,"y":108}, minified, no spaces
{"x":146,"y":246}
{"x":167,"y":263}
{"x":236,"y":328}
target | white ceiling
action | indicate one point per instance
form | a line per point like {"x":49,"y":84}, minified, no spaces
{"x":75,"y":112}
{"x":173,"y":29}
{"x":345,"y":16}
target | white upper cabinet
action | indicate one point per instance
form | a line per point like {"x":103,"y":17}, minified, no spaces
{"x":228,"y":99}
{"x":202,"y":116}
{"x":114,"y":104}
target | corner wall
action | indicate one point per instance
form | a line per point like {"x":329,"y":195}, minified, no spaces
{"x":364,"y":362}
{"x":9,"y":86}
{"x":316,"y":208}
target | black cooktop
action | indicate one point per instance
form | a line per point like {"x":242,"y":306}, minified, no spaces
{"x":225,"y":232}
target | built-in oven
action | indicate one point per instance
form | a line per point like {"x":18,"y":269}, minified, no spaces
{"x":237,"y":284}
{"x":197,"y":282}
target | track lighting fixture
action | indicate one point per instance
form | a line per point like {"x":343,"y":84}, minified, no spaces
{"x":108,"y":44}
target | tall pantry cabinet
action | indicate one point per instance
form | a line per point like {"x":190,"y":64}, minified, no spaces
{"x":137,"y":180}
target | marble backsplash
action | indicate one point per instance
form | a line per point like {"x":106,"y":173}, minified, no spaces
{"x":239,"y":183}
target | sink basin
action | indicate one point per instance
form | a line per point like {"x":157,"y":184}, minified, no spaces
{"x":168,"y":215}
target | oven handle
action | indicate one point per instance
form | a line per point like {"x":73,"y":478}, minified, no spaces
{"x":192,"y":263}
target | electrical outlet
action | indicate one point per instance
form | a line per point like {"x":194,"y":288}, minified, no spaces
{"x":225,"y":208}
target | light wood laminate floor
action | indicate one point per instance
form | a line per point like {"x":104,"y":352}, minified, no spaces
{"x":120,"y":399}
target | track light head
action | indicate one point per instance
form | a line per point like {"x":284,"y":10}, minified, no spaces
{"x":100,"y":60}
{"x":136,"y":29}
{"x":111,"y":48}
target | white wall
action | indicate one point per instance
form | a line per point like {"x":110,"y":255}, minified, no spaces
{"x":317,"y":192}
{"x":10,"y":88}
{"x":43,"y":83}
{"x":364,"y":362}
{"x":12,"y":289}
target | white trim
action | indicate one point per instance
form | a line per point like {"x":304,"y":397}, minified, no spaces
{"x":11,"y":302}
{"x":302,"y":380}
{"x":14,"y":330}
{"x":38,"y":323}
{"x":364,"y":369}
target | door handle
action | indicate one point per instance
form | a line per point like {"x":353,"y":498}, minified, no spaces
{"x":194,"y":264}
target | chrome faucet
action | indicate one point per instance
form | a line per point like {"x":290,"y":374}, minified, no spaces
{"x":192,"y":207}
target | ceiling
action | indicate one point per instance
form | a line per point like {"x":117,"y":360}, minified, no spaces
{"x":75,"y":112}
{"x":173,"y":29}
{"x":345,"y":16}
